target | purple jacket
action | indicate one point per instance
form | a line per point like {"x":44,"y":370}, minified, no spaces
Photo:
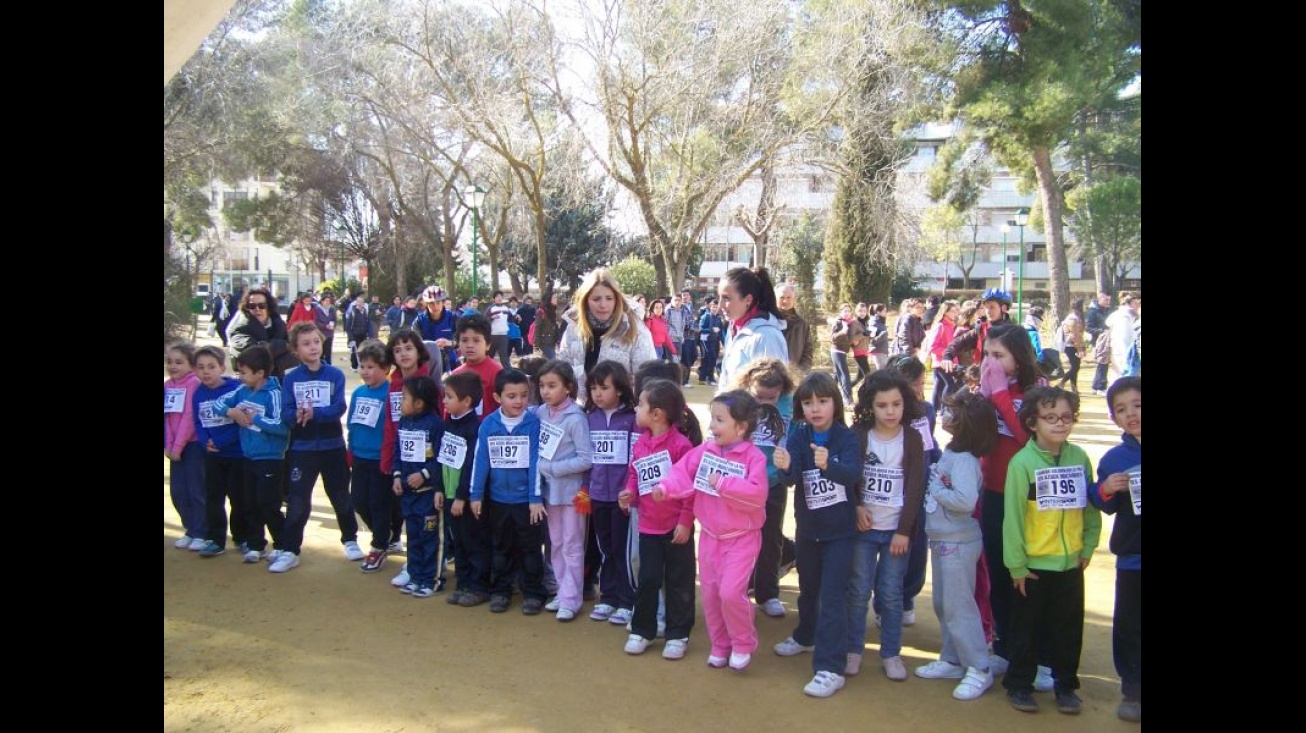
{"x":608,"y":479}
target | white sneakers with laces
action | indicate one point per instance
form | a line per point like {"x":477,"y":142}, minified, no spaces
{"x":636,"y":644}
{"x":353,"y":552}
{"x":401,"y":579}
{"x":602,"y":612}
{"x":791,"y":648}
{"x":621,"y":616}
{"x":774,"y":608}
{"x":285,"y":561}
{"x":183,"y":543}
{"x":740,"y":662}
{"x":196,"y":544}
{"x":824,"y":684}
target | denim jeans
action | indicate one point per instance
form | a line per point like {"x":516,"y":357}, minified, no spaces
{"x":840,"y":360}
{"x":822,"y":599}
{"x":875,"y":569}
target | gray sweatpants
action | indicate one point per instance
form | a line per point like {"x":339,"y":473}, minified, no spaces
{"x":953,"y":566}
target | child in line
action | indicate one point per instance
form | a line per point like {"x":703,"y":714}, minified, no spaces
{"x":1121,"y":493}
{"x":256,"y":408}
{"x":1049,"y":533}
{"x":666,"y":528}
{"x":474,"y":339}
{"x":729,"y":474}
{"x":417,"y":481}
{"x":955,"y":545}
{"x":822,"y":459}
{"x":612,"y":423}
{"x":471,"y":535}
{"x":890,"y":507}
{"x":185,"y":454}
{"x":565,"y":458}
{"x":506,"y":493}
{"x":313,"y":397}
{"x":408,"y":354}
{"x":370,"y":492}
{"x":224,"y":470}
{"x":770,"y":383}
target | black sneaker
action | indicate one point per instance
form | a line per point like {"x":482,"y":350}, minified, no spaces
{"x":454,"y":598}
{"x":474,"y":598}
{"x":1130,"y":710}
{"x":530,"y":606}
{"x":1023,"y":700}
{"x":1069,"y":703}
{"x":498,"y":604}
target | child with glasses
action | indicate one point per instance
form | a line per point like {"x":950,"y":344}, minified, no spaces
{"x":1049,"y":533}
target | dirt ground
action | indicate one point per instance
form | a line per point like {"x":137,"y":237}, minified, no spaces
{"x":327,"y":648}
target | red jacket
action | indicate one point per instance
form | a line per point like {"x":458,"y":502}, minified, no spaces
{"x":657,"y":325}
{"x":1011,"y":438}
{"x":300,"y":314}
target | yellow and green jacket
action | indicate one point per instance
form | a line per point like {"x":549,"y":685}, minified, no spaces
{"x":1052,"y":539}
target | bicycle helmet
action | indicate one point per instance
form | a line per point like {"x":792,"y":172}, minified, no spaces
{"x":432,"y":294}
{"x":997,"y":294}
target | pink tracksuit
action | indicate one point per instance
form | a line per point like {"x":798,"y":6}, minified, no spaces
{"x":732,"y":535}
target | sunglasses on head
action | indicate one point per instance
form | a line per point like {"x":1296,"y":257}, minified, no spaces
{"x":257,"y":306}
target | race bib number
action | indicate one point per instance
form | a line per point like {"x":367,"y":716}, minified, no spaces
{"x":412,"y":446}
{"x":651,"y":470}
{"x":174,"y":400}
{"x":453,"y":450}
{"x":819,"y":491}
{"x":1060,"y":488}
{"x":316,"y":393}
{"x":763,"y":438}
{"x":1136,"y":490}
{"x":211,"y":416}
{"x":714,"y":464}
{"x":366,"y":411}
{"x":550,"y":437}
{"x":611,"y":447}
{"x":509,"y":451}
{"x":1002,"y":426}
{"x":922,"y":425}
{"x":396,"y":402}
{"x":884,"y":486}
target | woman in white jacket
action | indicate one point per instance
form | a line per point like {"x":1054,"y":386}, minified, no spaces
{"x":1121,"y":324}
{"x":602,"y":325}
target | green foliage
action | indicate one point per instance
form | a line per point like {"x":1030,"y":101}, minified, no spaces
{"x":1107,"y":218}
{"x":798,"y":257}
{"x":576,"y":235}
{"x":333,"y":284}
{"x":177,"y":294}
{"x":904,"y":286}
{"x":636,"y":275}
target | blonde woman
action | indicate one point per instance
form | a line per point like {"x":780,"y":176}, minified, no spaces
{"x":602,"y":325}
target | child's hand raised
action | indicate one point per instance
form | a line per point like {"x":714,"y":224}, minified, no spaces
{"x":781,"y":458}
{"x":993,"y":378}
{"x":658,"y":494}
{"x":820,"y":456}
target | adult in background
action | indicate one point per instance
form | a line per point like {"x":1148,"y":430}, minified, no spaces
{"x":753,"y":322}
{"x":879,"y":334}
{"x":394,"y":313}
{"x":909,"y":333}
{"x":861,"y":345}
{"x":931,"y":312}
{"x":436,"y":324}
{"x":526,"y":319}
{"x":546,"y":333}
{"x":710,"y":325}
{"x":945,"y":328}
{"x":1070,"y":339}
{"x":841,"y":340}
{"x":602,"y":326}
{"x":1121,"y":324}
{"x":325,"y":319}
{"x":798,"y":332}
{"x":376,"y":313}
{"x":499,"y":313}
{"x":689,"y":346}
{"x":408,"y":315}
{"x":659,"y":331}
{"x":675,"y":318}
{"x":222,"y":312}
{"x":1095,"y":324}
{"x":302,"y":311}
{"x":358,"y":327}
{"x":258,"y":323}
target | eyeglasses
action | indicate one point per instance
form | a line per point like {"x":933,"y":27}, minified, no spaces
{"x":257,"y":306}
{"x":1066,"y":419}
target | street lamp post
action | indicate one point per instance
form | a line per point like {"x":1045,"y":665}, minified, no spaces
{"x":476,"y":196}
{"x":1003,"y":273}
{"x":1022,"y":218}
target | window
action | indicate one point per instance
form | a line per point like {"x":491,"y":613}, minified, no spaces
{"x":231,"y":197}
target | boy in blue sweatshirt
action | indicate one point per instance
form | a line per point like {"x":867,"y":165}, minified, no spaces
{"x":418,"y":482}
{"x":471,"y":535}
{"x":313,"y":401}
{"x":224,"y":469}
{"x":256,"y":409}
{"x":1121,"y":493}
{"x":504,"y":486}
{"x":370,"y":492}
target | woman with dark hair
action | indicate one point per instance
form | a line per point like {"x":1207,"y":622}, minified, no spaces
{"x":753,"y":322}
{"x":258,"y":323}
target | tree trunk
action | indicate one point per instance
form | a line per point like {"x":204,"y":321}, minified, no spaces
{"x":1058,"y":270}
{"x":1102,"y":274}
{"x":401,"y":267}
{"x":515,"y":278}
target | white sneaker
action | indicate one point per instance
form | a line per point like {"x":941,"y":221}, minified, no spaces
{"x":774,"y":608}
{"x":252,"y":556}
{"x":196,"y":544}
{"x":740,"y":661}
{"x":285,"y":561}
{"x":402,"y":578}
{"x":715,"y":662}
{"x":183,"y":543}
{"x":271,"y":555}
{"x":791,"y":648}
{"x":973,"y":685}
{"x":601,"y":612}
{"x":1043,"y":681}
{"x":824,"y":684}
{"x":853,"y":665}
{"x":894,"y":669}
{"x":395,"y":546}
{"x":621,"y":616}
{"x":353,"y":552}
{"x":636,"y":644}
{"x":553,"y":605}
{"x":941,"y":670}
{"x":908,"y":618}
{"x":566,"y":614}
{"x":675,"y":648}
{"x":998,"y":665}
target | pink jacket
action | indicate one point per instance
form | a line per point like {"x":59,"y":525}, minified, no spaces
{"x":947,"y":329}
{"x":740,"y":506}
{"x":660,"y":517}
{"x":179,"y":427}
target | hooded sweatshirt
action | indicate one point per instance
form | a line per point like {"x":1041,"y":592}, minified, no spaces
{"x":395,"y":398}
{"x":178,"y":411}
{"x":417,"y":444}
{"x":738,"y":503}
{"x":212,"y":424}
{"x":761,"y":336}
{"x":951,"y":497}
{"x":650,"y":458}
{"x":1127,"y":534}
{"x":563,"y":466}
{"x":825,"y":500}
{"x":1047,"y":538}
{"x":513,"y":455}
{"x":368,"y":413}
{"x":267,"y":437}
{"x":613,"y":437}
{"x":325,"y":390}
{"x":458,"y":473}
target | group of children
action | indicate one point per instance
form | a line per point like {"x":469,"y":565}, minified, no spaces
{"x":500,"y":456}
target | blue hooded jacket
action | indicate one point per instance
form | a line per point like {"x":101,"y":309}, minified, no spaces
{"x":267,"y":438}
{"x":1127,"y":534}
{"x":506,"y":485}
{"x":761,"y":336}
{"x":212,"y":424}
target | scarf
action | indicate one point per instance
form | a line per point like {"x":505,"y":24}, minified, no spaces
{"x":750,"y":315}
{"x":598,"y":329}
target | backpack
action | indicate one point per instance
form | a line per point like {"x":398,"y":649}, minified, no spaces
{"x":1102,"y":347}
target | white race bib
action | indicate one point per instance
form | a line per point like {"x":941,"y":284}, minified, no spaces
{"x":611,"y":447}
{"x":1060,"y":488}
{"x":714,"y":464}
{"x":255,"y":410}
{"x":174,"y":400}
{"x":884,"y":486}
{"x":819,"y":491}
{"x":453,"y":450}
{"x":316,"y":393}
{"x":651,"y":470}
{"x":1002,"y":426}
{"x":396,"y":403}
{"x":211,"y":417}
{"x":366,"y":411}
{"x":550,"y":437}
{"x":412,"y":446}
{"x":922,"y":425}
{"x":1136,"y":490}
{"x":509,"y":451}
